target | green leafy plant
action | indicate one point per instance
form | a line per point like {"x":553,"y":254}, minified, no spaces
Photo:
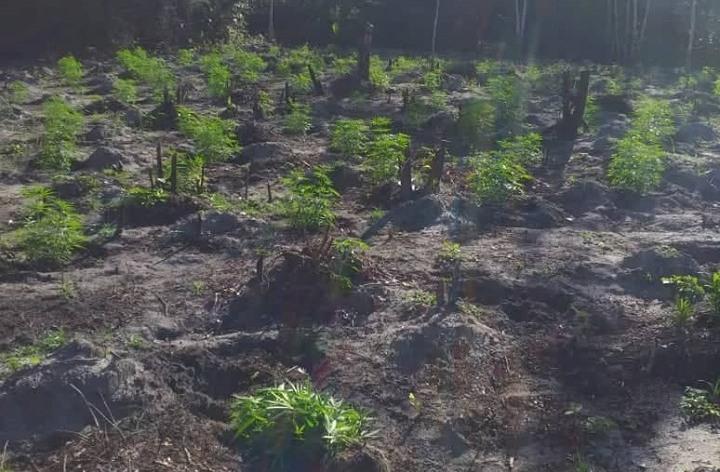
{"x":293,"y":420}
{"x":249,"y":65}
{"x":636,"y":165}
{"x":525,"y":149}
{"x":384,"y":156}
{"x":298,"y":121}
{"x":496,"y":177}
{"x":152,"y":71}
{"x":18,"y":92}
{"x":33,"y":354}
{"x":713,"y":291}
{"x":348,"y":259}
{"x":186,"y":57}
{"x":592,"y":112}
{"x":507,"y":94}
{"x":217,"y":74}
{"x":147,"y":197}
{"x":52,"y":230}
{"x":344,"y":65}
{"x":688,"y":291}
{"x":449,"y":252}
{"x":379,"y":78}
{"x":349,"y":137}
{"x":71,"y":70}
{"x":653,"y":121}
{"x":125,"y":90}
{"x":476,"y":122}
{"x":701,"y":404}
{"x":62,"y":125}
{"x":421,"y":299}
{"x":309,"y":205}
{"x":214,"y":137}
{"x":295,"y":61}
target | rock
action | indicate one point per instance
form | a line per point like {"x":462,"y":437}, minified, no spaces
{"x":103,"y":158}
{"x":417,"y":214}
{"x":662,"y":261}
{"x":102,"y":84}
{"x":440,"y":123}
{"x":453,"y":82}
{"x":105,"y":105}
{"x":97,"y":133}
{"x":255,"y":132}
{"x":584,"y":196}
{"x":264,"y":152}
{"x":615,"y":103}
{"x":694,"y":132}
{"x":213,"y":222}
{"x":345,"y":177}
{"x":133,"y":117}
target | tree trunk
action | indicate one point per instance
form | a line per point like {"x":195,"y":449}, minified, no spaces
{"x":691,"y":34}
{"x":271,"y":21}
{"x":643,"y":28}
{"x":435,"y":29}
{"x":364,"y":56}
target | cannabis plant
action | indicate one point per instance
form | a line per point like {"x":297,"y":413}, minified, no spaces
{"x":52,"y":230}
{"x":636,"y":165}
{"x":508,"y":97}
{"x":496,"y":177}
{"x":384,"y":156}
{"x":62,"y":125}
{"x":293,"y":422}
{"x":349,"y":137}
{"x":309,"y":205}
{"x":125,"y":90}
{"x":348,"y":260}
{"x":249,"y":65}
{"x":71,"y":70}
{"x":217,"y":74}
{"x":151,"y":71}
{"x":214,"y":137}
{"x":298,"y":121}
{"x":476,"y":122}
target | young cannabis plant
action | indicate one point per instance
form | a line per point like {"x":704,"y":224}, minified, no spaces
{"x":52,"y":231}
{"x":151,"y":71}
{"x":688,"y":291}
{"x":298,"y":121}
{"x":218,"y":76}
{"x":702,"y":404}
{"x":349,"y":137}
{"x":309,"y":205}
{"x":125,"y":90}
{"x":293,"y":420}
{"x":636,"y":165}
{"x":71,"y":70}
{"x":476,"y":122}
{"x":384,"y":156}
{"x":62,"y":125}
{"x":214,"y":137}
{"x":348,"y":260}
{"x":33,"y":354}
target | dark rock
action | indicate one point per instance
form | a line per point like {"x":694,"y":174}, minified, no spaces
{"x":255,"y":132}
{"x":103,"y":158}
{"x":345,"y":177}
{"x":615,"y":103}
{"x":266,"y":152}
{"x":694,"y":132}
{"x":440,"y":123}
{"x":97,"y":133}
{"x":102,"y":84}
{"x":417,"y":214}
{"x":662,"y":262}
{"x":583,"y":196}
{"x":134,"y":117}
{"x":453,"y":82}
{"x":213,"y":222}
{"x":105,"y":105}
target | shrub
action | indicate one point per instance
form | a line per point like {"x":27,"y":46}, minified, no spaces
{"x":125,"y":90}
{"x":349,"y":137}
{"x":151,"y":71}
{"x":636,"y":165}
{"x":384,"y":156}
{"x":217,"y":74}
{"x":298,"y":121}
{"x":71,"y":70}
{"x":293,"y":420}
{"x":311,"y":199}
{"x":476,"y":122}
{"x":52,"y":231}
{"x":62,"y":124}
{"x":214,"y":137}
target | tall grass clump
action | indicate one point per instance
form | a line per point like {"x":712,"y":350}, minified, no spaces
{"x":62,"y":125}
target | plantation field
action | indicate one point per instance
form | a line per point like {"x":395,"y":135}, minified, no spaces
{"x":242,"y":257}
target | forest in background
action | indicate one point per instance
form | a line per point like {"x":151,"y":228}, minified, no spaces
{"x":661,"y":32}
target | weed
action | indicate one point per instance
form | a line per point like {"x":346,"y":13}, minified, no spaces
{"x":125,"y":90}
{"x":218,"y":76}
{"x":249,"y":66}
{"x":312,"y":196}
{"x":106,"y":231}
{"x":653,"y":121}
{"x":62,"y":125}
{"x":71,"y":70}
{"x":298,"y":121}
{"x":450,"y":252}
{"x":220,"y":202}
{"x":496,"y":177}
{"x":214,"y":137}
{"x":476,"y":122}
{"x":294,"y":419}
{"x":507,"y":94}
{"x":348,"y":259}
{"x":146,"y":197}
{"x":432,"y":79}
{"x":421,"y":299}
{"x":379,"y":78}
{"x":136,"y":342}
{"x":186,"y":57}
{"x":384,"y":156}
{"x":52,"y":231}
{"x":636,"y":165}
{"x":67,"y":289}
{"x":713,"y":291}
{"x":701,"y":404}
{"x":349,"y":137}
{"x":32,"y":355}
{"x":152,"y":71}
{"x":525,"y":149}
{"x":198,"y":287}
{"x":470,"y":309}
{"x":18,"y":92}
{"x":686,"y":286}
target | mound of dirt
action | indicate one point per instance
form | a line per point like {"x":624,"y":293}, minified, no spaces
{"x":583,"y":196}
{"x":77,"y":387}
